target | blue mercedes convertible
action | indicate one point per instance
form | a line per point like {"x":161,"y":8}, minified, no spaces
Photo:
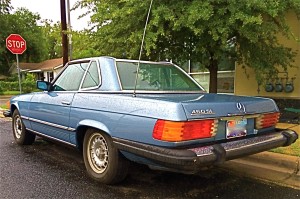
{"x":116,"y":111}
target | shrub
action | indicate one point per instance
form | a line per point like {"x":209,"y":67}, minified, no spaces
{"x":28,"y":85}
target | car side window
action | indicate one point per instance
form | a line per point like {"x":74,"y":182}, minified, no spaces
{"x":92,"y":77}
{"x":71,"y":77}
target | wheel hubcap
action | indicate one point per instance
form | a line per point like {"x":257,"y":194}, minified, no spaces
{"x":98,"y":153}
{"x":18,"y":127}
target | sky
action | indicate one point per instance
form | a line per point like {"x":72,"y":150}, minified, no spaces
{"x":50,"y":9}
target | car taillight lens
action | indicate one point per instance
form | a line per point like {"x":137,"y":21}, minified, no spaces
{"x":267,"y":120}
{"x":182,"y":131}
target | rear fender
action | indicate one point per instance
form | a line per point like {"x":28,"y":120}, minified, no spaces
{"x":81,"y":129}
{"x":94,"y":124}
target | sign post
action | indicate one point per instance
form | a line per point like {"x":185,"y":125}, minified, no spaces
{"x":16,"y":45}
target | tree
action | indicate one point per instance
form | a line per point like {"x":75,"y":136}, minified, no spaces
{"x":4,"y":12}
{"x":204,"y":31}
{"x":83,"y":44}
{"x":4,"y":7}
{"x":52,"y":34}
{"x":82,"y":41}
{"x":25,"y":23}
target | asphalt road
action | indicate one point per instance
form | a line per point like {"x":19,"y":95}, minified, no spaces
{"x":49,"y":170}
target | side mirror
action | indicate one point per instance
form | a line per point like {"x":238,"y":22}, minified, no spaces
{"x":42,"y":85}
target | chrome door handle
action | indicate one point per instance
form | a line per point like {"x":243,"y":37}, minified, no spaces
{"x":65,"y":102}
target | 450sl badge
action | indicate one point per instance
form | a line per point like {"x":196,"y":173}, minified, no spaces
{"x":202,"y":112}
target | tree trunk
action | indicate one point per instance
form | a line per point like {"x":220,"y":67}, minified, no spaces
{"x":8,"y":65}
{"x":213,"y":78}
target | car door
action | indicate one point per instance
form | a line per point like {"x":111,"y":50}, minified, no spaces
{"x":50,"y":110}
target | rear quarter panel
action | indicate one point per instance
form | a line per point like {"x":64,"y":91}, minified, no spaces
{"x":123,"y":116}
{"x":133,"y":118}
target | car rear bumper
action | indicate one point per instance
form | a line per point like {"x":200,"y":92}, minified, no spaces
{"x":192,"y":159}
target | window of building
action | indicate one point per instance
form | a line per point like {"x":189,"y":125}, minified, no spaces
{"x":50,"y":76}
{"x":225,"y":74}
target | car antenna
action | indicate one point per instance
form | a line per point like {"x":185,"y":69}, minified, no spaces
{"x":141,"y":50}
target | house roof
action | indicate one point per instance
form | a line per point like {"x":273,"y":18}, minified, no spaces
{"x":47,"y":65}
{"x":2,"y":77}
{"x":28,"y":66}
{"x":51,"y":64}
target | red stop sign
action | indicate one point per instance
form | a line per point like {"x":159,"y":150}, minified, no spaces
{"x":15,"y":44}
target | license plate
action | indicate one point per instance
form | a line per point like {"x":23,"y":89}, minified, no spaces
{"x":236,"y":128}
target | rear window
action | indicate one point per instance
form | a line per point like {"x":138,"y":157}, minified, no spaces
{"x":155,"y":77}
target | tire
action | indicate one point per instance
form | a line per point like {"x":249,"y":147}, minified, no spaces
{"x":21,"y":135}
{"x":103,"y":162}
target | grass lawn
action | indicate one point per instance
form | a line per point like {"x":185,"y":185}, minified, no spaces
{"x":10,"y":93}
{"x":3,"y":106}
{"x":293,"y":149}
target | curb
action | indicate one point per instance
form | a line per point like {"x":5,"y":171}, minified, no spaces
{"x":1,"y":113}
{"x":272,"y":167}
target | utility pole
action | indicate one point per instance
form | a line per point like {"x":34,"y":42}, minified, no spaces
{"x":69,"y":29}
{"x":64,"y":31}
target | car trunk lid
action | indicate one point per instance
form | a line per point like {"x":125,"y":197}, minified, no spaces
{"x":215,"y":106}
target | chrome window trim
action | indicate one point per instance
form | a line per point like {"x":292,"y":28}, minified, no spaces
{"x":143,"y":92}
{"x":131,"y":91}
{"x":118,"y":75}
{"x":99,"y":76}
{"x":61,"y":91}
{"x":143,"y":61}
{"x":82,"y":78}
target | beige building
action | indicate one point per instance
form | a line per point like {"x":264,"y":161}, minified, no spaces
{"x":247,"y":85}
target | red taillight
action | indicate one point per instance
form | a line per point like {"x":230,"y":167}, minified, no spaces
{"x":182,"y":131}
{"x":267,"y":120}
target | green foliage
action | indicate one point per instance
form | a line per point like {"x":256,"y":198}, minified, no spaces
{"x":43,"y":42}
{"x":4,"y":55}
{"x":4,"y":6}
{"x":25,"y":23}
{"x":12,"y":78}
{"x":293,"y":150}
{"x":52,"y":34}
{"x":82,"y":41}
{"x":202,"y":31}
{"x":9,"y":92}
{"x":28,"y":85}
{"x":21,"y":22}
{"x":83,"y":45}
{"x":9,"y":86}
{"x":30,"y":77}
